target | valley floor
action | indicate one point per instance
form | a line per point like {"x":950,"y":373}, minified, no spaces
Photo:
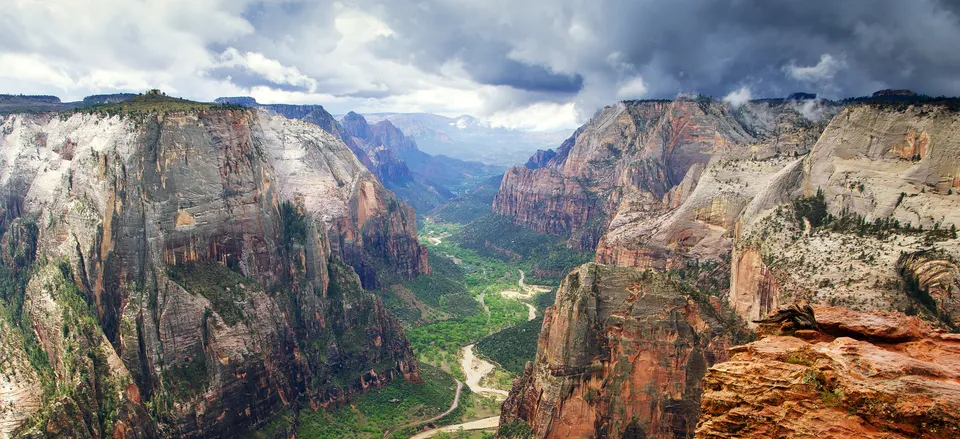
{"x":472,"y":324}
{"x":444,"y":329}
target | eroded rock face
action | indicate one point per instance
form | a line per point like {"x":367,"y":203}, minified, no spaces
{"x":378,"y":147}
{"x":198,"y":254}
{"x":840,"y":225}
{"x":934,"y":279}
{"x":635,"y":163}
{"x":381,"y":147}
{"x":621,"y":354}
{"x":865,"y":375}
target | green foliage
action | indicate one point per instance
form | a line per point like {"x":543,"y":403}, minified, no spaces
{"x":830,"y":395}
{"x":545,"y":300}
{"x":190,"y":377}
{"x":16,"y":267}
{"x":220,"y":285}
{"x":444,"y":288}
{"x":469,"y":206}
{"x":372,"y":413}
{"x":294,"y":224}
{"x":497,"y":236}
{"x":280,"y":425}
{"x":450,"y":335}
{"x":513,"y":347}
{"x":84,"y":377}
{"x":150,"y":103}
{"x":814,"y":209}
{"x":517,"y":430}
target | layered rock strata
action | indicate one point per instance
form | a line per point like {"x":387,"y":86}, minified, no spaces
{"x":637,"y":161}
{"x":621,"y":354}
{"x":181,"y":273}
{"x":833,"y":227}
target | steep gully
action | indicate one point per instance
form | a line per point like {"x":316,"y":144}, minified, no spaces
{"x":475,"y":368}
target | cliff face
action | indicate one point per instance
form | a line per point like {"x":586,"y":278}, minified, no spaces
{"x":636,"y":161}
{"x":881,"y":182}
{"x":378,"y":147}
{"x":621,"y":354}
{"x":382,"y":148}
{"x":864,"y":375}
{"x":187,"y":264}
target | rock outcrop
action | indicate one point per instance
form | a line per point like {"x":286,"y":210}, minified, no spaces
{"x":864,"y":375}
{"x":621,"y":354}
{"x":181,"y":272}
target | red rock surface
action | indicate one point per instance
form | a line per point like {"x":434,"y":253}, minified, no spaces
{"x":865,"y":375}
{"x":622,"y":352}
{"x":637,"y":161}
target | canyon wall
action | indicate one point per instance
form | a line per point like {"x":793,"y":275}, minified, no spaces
{"x":857,"y":209}
{"x":621,"y":354}
{"x":181,"y":273}
{"x":834,"y":227}
{"x":620,"y":173}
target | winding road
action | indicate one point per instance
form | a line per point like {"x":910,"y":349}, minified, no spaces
{"x":475,"y":368}
{"x":479,"y":424}
{"x":526,"y":292}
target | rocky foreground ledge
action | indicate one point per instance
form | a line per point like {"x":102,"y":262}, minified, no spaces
{"x":863,"y":375}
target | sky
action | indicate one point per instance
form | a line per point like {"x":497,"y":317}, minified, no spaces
{"x":526,"y":64}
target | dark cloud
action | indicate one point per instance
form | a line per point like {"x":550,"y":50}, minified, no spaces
{"x":542,"y":57}
{"x":692,"y":46}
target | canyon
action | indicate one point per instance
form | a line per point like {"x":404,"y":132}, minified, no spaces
{"x":175,"y":268}
{"x":724,"y":214}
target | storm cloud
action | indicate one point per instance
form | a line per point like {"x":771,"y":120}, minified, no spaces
{"x":533,"y":64}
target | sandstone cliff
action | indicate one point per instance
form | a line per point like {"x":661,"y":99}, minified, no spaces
{"x":865,"y":375}
{"x":881,"y":182}
{"x":621,"y":354}
{"x":178,"y":273}
{"x":417,"y":178}
{"x":639,"y":160}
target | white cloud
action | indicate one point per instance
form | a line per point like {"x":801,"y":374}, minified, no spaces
{"x":826,"y":69}
{"x":537,"y":117}
{"x":633,"y":89}
{"x":32,"y":68}
{"x":812,"y":109}
{"x":358,"y":27}
{"x":738,"y":97}
{"x":269,"y":69}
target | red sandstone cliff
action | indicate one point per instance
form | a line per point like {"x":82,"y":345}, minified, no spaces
{"x":621,"y":354}
{"x":637,"y":160}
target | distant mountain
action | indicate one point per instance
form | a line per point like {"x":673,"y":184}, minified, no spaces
{"x":469,"y":138}
{"x":420,"y":179}
{"x":10,"y":104}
